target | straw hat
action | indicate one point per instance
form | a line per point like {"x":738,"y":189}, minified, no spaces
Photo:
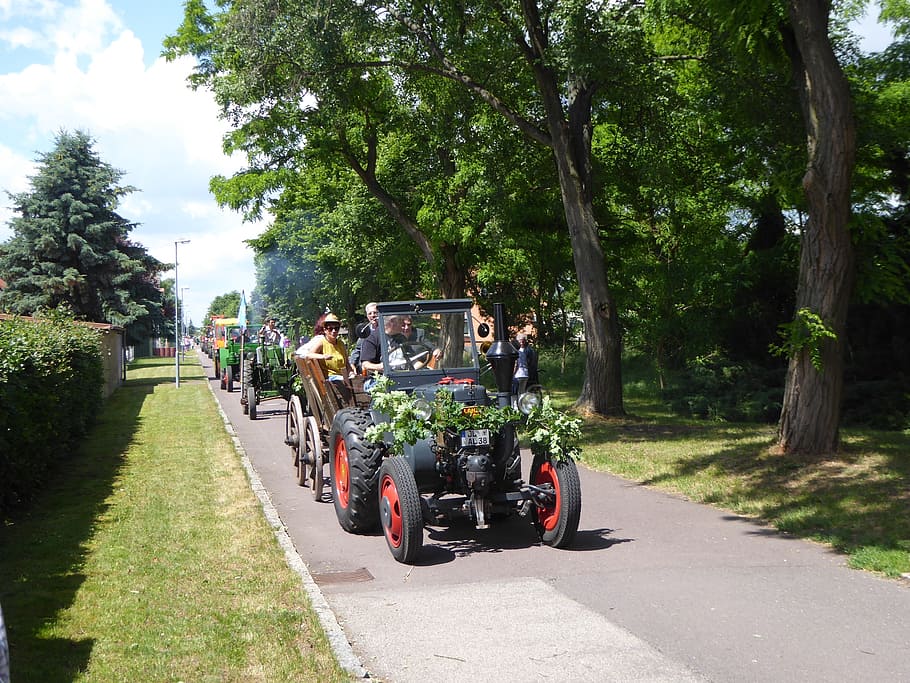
{"x":331,"y":318}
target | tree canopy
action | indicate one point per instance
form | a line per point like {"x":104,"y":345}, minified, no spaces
{"x":653,"y":170}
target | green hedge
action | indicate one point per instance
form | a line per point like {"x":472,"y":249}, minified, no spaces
{"x":51,"y":379}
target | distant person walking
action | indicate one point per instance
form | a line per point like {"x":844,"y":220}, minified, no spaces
{"x":525,"y":372}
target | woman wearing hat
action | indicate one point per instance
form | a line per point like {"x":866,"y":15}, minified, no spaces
{"x":327,"y":346}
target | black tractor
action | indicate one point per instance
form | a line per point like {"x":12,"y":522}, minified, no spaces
{"x":435,"y":444}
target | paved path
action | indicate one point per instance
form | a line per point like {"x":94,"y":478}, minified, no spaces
{"x":655,"y":589}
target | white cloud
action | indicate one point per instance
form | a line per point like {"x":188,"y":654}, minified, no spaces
{"x":82,"y":29}
{"x":145,"y":120}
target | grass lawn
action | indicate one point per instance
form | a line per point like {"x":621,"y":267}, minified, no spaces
{"x":857,"y":500}
{"x":148,"y":557}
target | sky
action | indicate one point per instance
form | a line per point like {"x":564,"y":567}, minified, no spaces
{"x":95,"y":66}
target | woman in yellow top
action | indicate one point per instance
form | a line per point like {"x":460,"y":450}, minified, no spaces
{"x":326,"y":346}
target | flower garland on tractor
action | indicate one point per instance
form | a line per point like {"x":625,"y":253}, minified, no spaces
{"x":549,"y":430}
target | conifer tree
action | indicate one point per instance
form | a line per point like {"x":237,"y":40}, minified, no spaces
{"x":70,"y":247}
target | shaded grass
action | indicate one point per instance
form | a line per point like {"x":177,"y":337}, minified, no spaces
{"x":856,"y":500}
{"x":149,"y":558}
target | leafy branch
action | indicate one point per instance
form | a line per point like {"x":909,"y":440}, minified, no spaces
{"x":806,"y":332}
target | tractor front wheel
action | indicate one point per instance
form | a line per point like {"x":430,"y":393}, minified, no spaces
{"x":251,"y":400}
{"x":354,"y":470}
{"x":556,"y":520}
{"x":399,"y":509}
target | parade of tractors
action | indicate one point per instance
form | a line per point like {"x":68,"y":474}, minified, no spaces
{"x":435,"y":437}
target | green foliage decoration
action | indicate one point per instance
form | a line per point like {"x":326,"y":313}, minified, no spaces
{"x":554,"y":432}
{"x":549,"y":430}
{"x":806,"y":332}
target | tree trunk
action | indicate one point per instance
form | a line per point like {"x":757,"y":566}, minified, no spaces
{"x":452,"y":278}
{"x":810,"y":418}
{"x":570,"y":140}
{"x":601,"y":392}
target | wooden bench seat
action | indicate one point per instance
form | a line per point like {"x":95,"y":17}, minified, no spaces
{"x":326,"y":397}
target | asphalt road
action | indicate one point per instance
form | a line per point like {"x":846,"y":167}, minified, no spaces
{"x":655,"y":589}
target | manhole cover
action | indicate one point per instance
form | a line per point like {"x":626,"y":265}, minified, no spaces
{"x":356,"y":576}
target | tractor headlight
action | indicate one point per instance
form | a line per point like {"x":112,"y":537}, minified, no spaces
{"x":528,"y":402}
{"x":422,"y":410}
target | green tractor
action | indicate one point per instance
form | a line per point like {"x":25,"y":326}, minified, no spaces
{"x":268,"y":372}
{"x":232,"y":345}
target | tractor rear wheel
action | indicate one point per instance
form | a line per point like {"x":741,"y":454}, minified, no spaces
{"x":557,"y":521}
{"x":230,"y":378}
{"x":293,"y":433}
{"x":399,"y":509}
{"x":354,"y":470}
{"x":313,"y":446}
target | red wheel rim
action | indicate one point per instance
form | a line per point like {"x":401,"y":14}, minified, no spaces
{"x":390,"y":506}
{"x":548,"y":515}
{"x":342,"y":481}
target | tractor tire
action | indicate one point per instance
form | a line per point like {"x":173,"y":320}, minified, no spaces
{"x":293,"y":433}
{"x":314,"y":457}
{"x":230,"y":378}
{"x":251,"y":400}
{"x":556,"y":524}
{"x":244,"y":385}
{"x":399,"y":509}
{"x":224,"y":378}
{"x":217,"y":368}
{"x":354,"y":470}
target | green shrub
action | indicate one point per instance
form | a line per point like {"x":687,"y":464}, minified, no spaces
{"x":714,"y":387}
{"x":878,"y":404}
{"x":51,"y":378}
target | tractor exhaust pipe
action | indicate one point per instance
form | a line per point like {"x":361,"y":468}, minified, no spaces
{"x":501,"y":356}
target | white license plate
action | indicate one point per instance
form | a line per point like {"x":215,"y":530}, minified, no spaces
{"x":475,"y":437}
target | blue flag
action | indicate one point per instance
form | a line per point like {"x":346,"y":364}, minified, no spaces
{"x":241,"y":313}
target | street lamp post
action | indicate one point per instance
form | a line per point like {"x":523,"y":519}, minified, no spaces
{"x":177,"y":318}
{"x":183,"y":330}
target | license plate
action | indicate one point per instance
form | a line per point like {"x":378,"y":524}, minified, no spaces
{"x":475,"y":437}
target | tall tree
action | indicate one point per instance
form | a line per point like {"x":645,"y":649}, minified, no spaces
{"x":810,"y":418}
{"x":798,"y":31}
{"x":547,"y":70}
{"x":70,"y":246}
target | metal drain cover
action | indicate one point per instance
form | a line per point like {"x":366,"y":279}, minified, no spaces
{"x":355,"y":576}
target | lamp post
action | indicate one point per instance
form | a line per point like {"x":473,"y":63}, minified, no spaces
{"x":183,"y":330}
{"x":177,"y":318}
